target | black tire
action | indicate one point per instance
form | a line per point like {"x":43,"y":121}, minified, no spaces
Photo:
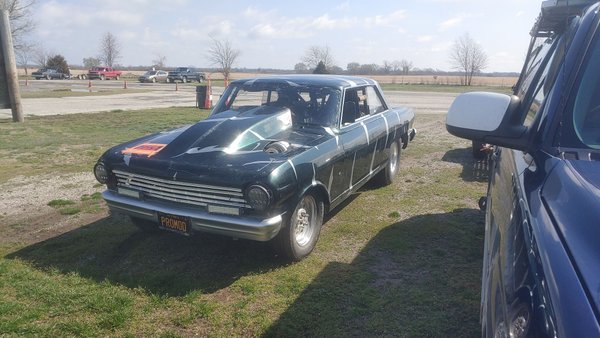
{"x":388,"y":174}
{"x":144,"y":224}
{"x":300,"y":232}
{"x":477,"y":150}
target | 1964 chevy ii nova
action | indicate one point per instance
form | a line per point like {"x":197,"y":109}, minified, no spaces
{"x":275,"y":155}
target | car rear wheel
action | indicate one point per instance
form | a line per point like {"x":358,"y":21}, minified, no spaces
{"x":299,"y":235}
{"x":388,"y":174}
{"x":144,"y":224}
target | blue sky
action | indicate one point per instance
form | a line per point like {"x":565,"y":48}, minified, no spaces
{"x":275,"y":34}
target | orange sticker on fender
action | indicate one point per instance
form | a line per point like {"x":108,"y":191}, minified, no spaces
{"x":147,"y":149}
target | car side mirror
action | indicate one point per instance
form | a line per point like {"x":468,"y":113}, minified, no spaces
{"x":488,"y":117}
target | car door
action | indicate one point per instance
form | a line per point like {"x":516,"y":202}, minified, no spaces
{"x":360,"y":134}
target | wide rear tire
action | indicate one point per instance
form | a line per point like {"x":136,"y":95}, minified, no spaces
{"x":300,"y":233}
{"x":388,"y":174}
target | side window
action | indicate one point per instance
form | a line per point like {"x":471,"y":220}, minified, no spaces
{"x":537,"y":82}
{"x":374,"y":101}
{"x":360,"y":102}
{"x":586,"y":108}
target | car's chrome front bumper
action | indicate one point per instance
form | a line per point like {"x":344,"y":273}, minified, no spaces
{"x":254,"y":228}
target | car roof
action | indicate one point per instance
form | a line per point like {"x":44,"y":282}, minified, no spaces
{"x":340,"y":81}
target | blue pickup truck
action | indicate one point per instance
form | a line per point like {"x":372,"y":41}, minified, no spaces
{"x":541,"y":270}
{"x":185,"y":74}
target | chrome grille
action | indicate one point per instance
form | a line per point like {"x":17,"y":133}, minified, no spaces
{"x":182,"y":192}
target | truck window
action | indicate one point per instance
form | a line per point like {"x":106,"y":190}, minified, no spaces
{"x":586,"y":108}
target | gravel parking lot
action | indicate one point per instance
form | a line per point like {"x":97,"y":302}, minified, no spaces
{"x":165,"y":95}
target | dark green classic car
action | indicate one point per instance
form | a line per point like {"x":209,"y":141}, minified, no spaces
{"x":274,"y":156}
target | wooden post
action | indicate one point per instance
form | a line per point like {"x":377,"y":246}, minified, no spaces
{"x":10,"y":66}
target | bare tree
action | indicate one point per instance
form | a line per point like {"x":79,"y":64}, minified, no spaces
{"x":316,"y":54}
{"x":110,"y":49}
{"x":387,"y":67}
{"x":19,"y":12}
{"x":223,"y":55}
{"x":405,"y":66}
{"x":41,"y":55}
{"x":90,"y":62}
{"x":160,"y":61}
{"x":24,"y":56}
{"x":468,"y":57}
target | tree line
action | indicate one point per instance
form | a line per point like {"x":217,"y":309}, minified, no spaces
{"x":466,"y":55}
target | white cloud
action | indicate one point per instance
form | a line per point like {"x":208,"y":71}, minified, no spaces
{"x":445,"y":25}
{"x":424,"y":38}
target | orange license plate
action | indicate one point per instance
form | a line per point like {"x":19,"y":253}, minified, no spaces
{"x":175,"y":223}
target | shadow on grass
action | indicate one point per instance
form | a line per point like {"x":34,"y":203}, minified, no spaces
{"x":474,"y":170}
{"x":162,"y":263}
{"x":417,"y":277}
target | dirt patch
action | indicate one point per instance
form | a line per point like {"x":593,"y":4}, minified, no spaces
{"x":24,"y":212}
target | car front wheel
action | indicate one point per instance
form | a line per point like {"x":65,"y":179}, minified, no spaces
{"x":299,"y":235}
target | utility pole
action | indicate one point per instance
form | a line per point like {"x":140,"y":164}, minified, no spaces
{"x":9,"y":80}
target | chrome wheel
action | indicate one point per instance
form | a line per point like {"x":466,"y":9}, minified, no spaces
{"x":304,"y":220}
{"x":393,"y":158}
{"x":299,"y":236}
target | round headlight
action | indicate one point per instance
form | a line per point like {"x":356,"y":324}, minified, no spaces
{"x":100,"y":173}
{"x":258,"y":197}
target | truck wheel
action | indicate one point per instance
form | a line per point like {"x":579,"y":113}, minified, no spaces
{"x":298,"y":236}
{"x":117,"y":77}
{"x":476,"y":148}
{"x":102,"y":77}
{"x":388,"y":174}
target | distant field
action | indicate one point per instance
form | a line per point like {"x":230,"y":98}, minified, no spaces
{"x":395,"y":79}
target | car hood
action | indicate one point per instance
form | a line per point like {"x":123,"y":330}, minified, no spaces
{"x":572,"y":195}
{"x":227,"y":148}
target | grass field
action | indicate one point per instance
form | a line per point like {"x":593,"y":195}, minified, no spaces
{"x":402,"y":260}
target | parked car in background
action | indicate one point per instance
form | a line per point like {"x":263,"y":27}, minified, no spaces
{"x":48,"y":74}
{"x":275,"y":155}
{"x":185,"y":74}
{"x":541,"y":266}
{"x":103,"y":73}
{"x":154,"y":76}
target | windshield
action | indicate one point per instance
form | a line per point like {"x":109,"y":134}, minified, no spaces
{"x":181,"y":69}
{"x":150,"y":72}
{"x":586,"y":106}
{"x":309,"y":105}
